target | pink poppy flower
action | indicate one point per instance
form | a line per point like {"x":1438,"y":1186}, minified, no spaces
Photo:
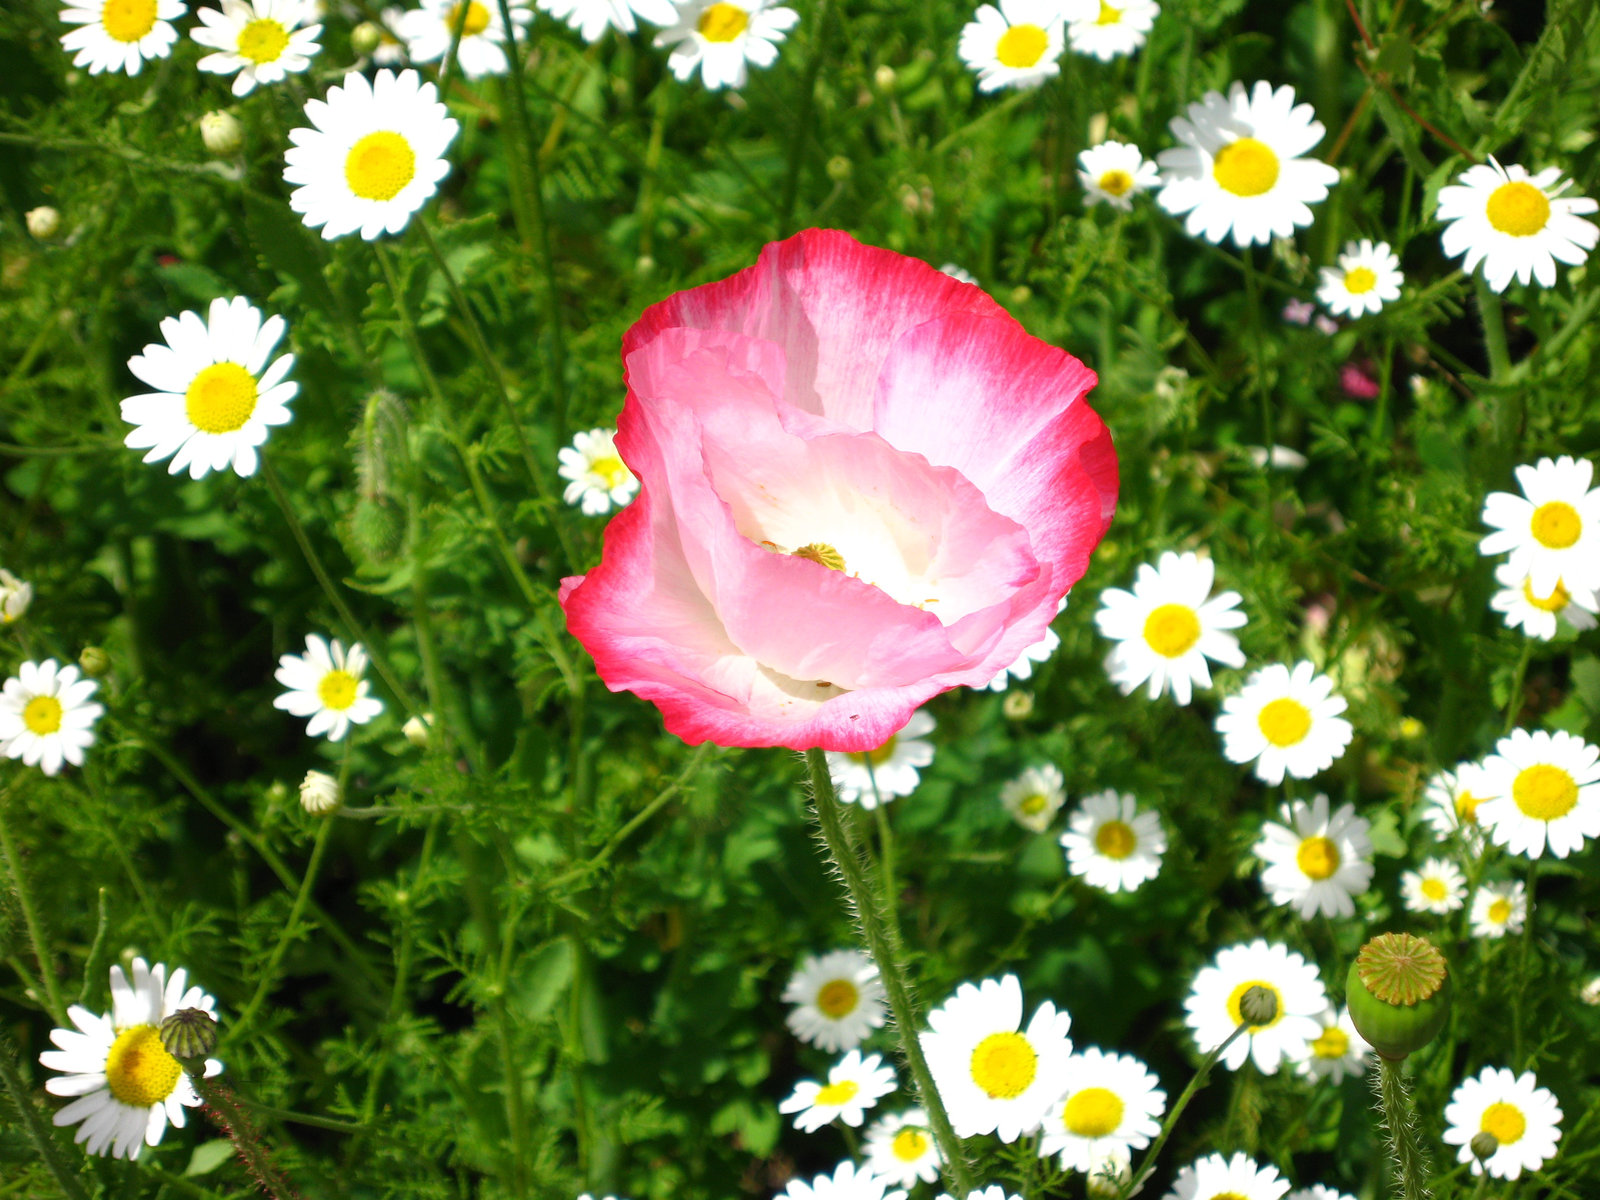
{"x":862,"y":484}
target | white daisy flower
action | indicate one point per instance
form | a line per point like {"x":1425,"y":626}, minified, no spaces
{"x":429,"y":30}
{"x":1498,"y":909}
{"x":1034,"y":797}
{"x":1529,"y":610}
{"x":1110,"y":1172}
{"x":326,"y":685}
{"x":1518,"y":225}
{"x":118,"y":35}
{"x":391,"y":48}
{"x":1318,"y":1191}
{"x":598,"y":478}
{"x":900,"y":1148}
{"x":1239,"y":169}
{"x":959,"y":274}
{"x":1451,"y":801}
{"x":1111,"y":1100}
{"x":127,"y":1086}
{"x":1523,"y":1119}
{"x":878,"y":776}
{"x":1238,"y":1178}
{"x":991,"y":1077}
{"x":1114,"y":173}
{"x":262,"y":40}
{"x":1554,"y":534}
{"x":1543,"y":788}
{"x":15,"y":597}
{"x":993,"y":1192}
{"x":1167,"y":627}
{"x":1120,"y":27}
{"x":1338,"y":1050}
{"x":854,"y":1085}
{"x":374,"y":155}
{"x":1015,"y":45}
{"x":1022,"y":669}
{"x":1368,"y":277}
{"x":848,"y":1182}
{"x":591,"y":18}
{"x":1113,"y":845}
{"x":1286,"y":721}
{"x":718,"y":37}
{"x":1213,"y":1005}
{"x":216,"y":396}
{"x":45,"y":715}
{"x":1316,"y":862}
{"x":1439,"y":887}
{"x":839,"y":1000}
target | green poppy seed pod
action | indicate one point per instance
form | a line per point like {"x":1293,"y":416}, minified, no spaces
{"x":1258,"y":1006}
{"x":1398,"y":991}
{"x":1484,"y":1145}
{"x":189,"y":1034}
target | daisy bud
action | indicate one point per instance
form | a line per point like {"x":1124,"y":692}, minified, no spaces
{"x":1484,"y":1145}
{"x":1591,"y":991}
{"x":43,"y":222}
{"x":416,"y":730}
{"x":222,"y":134}
{"x":1259,"y":1005}
{"x":365,"y":37}
{"x":94,"y":661}
{"x":839,"y":168}
{"x":884,"y":78}
{"x":189,"y":1035}
{"x":15,"y":596}
{"x":319,"y":793}
{"x":1398,"y":990}
{"x":1017,"y":706}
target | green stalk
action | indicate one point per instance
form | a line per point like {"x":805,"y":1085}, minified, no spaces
{"x":227,"y":1111}
{"x":32,"y":1126}
{"x":802,"y":120}
{"x":887,"y":954}
{"x":1198,"y":1081}
{"x":30,"y":917}
{"x":1515,"y":698}
{"x":1406,"y":1155}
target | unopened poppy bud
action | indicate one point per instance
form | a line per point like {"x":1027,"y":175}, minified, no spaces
{"x":43,"y":222}
{"x":1398,"y":990}
{"x":365,"y":38}
{"x":1483,"y":1145}
{"x":1259,"y":1005}
{"x":319,"y":793}
{"x":94,"y":661}
{"x":188,"y":1034}
{"x":416,"y":730}
{"x":222,"y":133}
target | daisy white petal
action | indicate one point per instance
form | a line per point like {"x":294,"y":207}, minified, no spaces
{"x":1368,"y":277}
{"x":1212,"y":1008}
{"x":1522,"y":1119}
{"x":1553,"y":529}
{"x":1286,"y":721}
{"x":1114,"y":173}
{"x":326,"y":685}
{"x":1316,"y":862}
{"x":878,"y":776}
{"x":46,"y":717}
{"x":598,"y":479}
{"x":1518,"y":226}
{"x":1113,"y":845}
{"x":1168,"y":626}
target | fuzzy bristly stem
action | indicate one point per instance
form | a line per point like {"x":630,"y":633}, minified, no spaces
{"x":30,"y":916}
{"x":856,"y":872}
{"x":1198,"y":1081}
{"x":226,"y":1111}
{"x":1406,"y":1155}
{"x":33,"y":1126}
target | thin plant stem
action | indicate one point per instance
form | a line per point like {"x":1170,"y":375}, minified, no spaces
{"x":1494,"y":328}
{"x":881,"y":944}
{"x":33,"y":1126}
{"x":1406,"y":1155}
{"x":890,"y":894}
{"x":1252,"y":293}
{"x":1520,"y":982}
{"x":229,"y":1113}
{"x":1514,"y":698}
{"x":30,"y":917}
{"x":802,"y":119}
{"x":1196,"y":1082}
{"x":459,"y":27}
{"x":353,"y":628}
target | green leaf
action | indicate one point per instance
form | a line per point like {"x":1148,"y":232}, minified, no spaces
{"x":283,"y":243}
{"x":208,"y":1156}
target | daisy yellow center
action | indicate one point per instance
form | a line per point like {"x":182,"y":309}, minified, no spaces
{"x":1467,"y":808}
{"x":139,"y":1071}
{"x":1093,"y":1113}
{"x":822,"y":554}
{"x":1246,"y":167}
{"x":220,"y":398}
{"x":1172,"y":630}
{"x":1554,"y":602}
{"x":1284,"y":721}
{"x":1434,"y":889}
{"x":1003,"y":1065}
{"x":477,"y":19}
{"x":836,"y":1094}
{"x":263,"y":41}
{"x":380,"y":165}
{"x":1358,"y":280}
{"x":1504,"y":1121}
{"x":128,"y":20}
{"x":1317,"y":858}
{"x":1033,"y":805}
{"x":837,"y":998}
{"x":1108,"y":15}
{"x":611,"y":470}
{"x":1236,"y":997}
{"x":723,"y":22}
{"x":42,"y":715}
{"x":1332,"y":1042}
{"x":1021,"y":46}
{"x":337,"y":690}
{"x":1499,"y":911}
{"x":1227,"y":1196}
{"x":1115,"y":840}
{"x":1544,"y":792}
{"x":1518,"y":208}
{"x":1116,"y":183}
{"x":882,"y":754}
{"x":1556,"y":525}
{"x":909,"y":1144}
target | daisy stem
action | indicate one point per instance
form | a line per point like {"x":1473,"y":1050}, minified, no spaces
{"x":448,"y":67}
{"x":802,"y":120}
{"x":353,"y":628}
{"x":33,"y":1125}
{"x":1400,"y":1122}
{"x":1521,"y":980}
{"x":883,"y":944}
{"x":1252,"y":293}
{"x":1514,"y":698}
{"x":1201,"y":1074}
{"x":1494,"y":334}
{"x":30,"y":915}
{"x":886,"y":857}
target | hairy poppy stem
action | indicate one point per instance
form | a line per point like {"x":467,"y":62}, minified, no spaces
{"x":1400,"y":1127}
